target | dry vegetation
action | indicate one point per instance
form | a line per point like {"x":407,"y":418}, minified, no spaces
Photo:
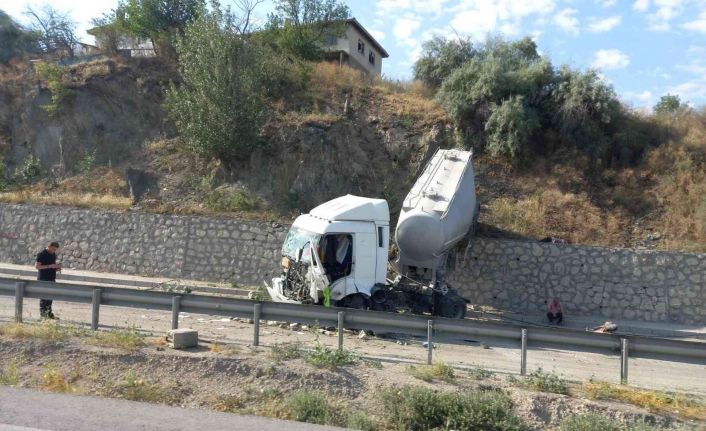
{"x":660,"y":202}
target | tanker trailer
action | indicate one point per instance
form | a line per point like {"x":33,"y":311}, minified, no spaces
{"x":337,"y":255}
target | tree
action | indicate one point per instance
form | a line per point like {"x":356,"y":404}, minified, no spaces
{"x":669,"y":105}
{"x":440,"y":57}
{"x":219,"y":106}
{"x":56,"y":30}
{"x":109,"y":28}
{"x":15,"y":41}
{"x":301,"y":27}
{"x":585,"y":108}
{"x":509,"y":128}
{"x":160,"y":21}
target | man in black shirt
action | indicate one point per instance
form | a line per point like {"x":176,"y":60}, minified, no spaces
{"x":47,"y":267}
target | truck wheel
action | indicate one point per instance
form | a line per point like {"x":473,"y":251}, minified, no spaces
{"x":451,"y":306}
{"x":357,"y":301}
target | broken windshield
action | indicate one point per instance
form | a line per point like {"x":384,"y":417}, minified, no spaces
{"x":296,"y":239}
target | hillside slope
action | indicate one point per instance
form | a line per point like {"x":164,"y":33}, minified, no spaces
{"x":340,"y":133}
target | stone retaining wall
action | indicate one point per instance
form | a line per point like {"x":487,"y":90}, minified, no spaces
{"x":615,"y":283}
{"x":510,"y":275}
{"x":189,"y":247}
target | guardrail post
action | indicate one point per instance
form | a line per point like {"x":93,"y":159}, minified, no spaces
{"x":430,"y":345}
{"x":624,"y":352}
{"x":341,"y":317}
{"x":257,"y":311}
{"x":523,"y":353}
{"x":19,"y":300}
{"x":95,"y":309}
{"x":176,"y":304}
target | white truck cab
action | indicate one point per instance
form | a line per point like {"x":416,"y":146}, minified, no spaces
{"x":344,"y":243}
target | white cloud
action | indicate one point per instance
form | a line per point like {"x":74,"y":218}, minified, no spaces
{"x":666,"y":11}
{"x":610,"y":59}
{"x":601,"y":25}
{"x":378,"y":35}
{"x":699,"y":24}
{"x":607,"y":3}
{"x":689,"y":90}
{"x":644,"y":99}
{"x":641,"y":5}
{"x":567,"y":21}
{"x":404,"y":29}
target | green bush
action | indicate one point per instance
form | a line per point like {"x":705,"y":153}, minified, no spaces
{"x":415,"y":408}
{"x":429,"y":373}
{"x":509,"y":128}
{"x":545,"y":382}
{"x":86,"y":164}
{"x":324,"y":357}
{"x":30,"y":171}
{"x":222,"y":200}
{"x":589,"y":422}
{"x":54,"y":76}
{"x":360,"y":421}
{"x":311,"y":407}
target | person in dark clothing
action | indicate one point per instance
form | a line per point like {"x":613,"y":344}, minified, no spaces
{"x":555,"y":311}
{"x":47,"y":267}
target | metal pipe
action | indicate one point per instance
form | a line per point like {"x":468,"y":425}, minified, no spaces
{"x":257,"y":310}
{"x":341,"y":317}
{"x":523,"y":352}
{"x":624,"y":352}
{"x":95,"y":308}
{"x":176,"y":304}
{"x":19,"y":299}
{"x":430,"y":345}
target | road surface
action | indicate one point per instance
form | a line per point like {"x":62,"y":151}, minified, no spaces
{"x":24,"y":409}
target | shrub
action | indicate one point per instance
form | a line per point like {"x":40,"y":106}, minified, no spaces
{"x":589,"y":422}
{"x":30,"y":171}
{"x":311,"y":407}
{"x":429,"y":373}
{"x":509,"y":128}
{"x":54,"y":76}
{"x":360,"y":421}
{"x":325,"y":357}
{"x":86,"y":164}
{"x":285,"y":352}
{"x":223,"y":200}
{"x":414,"y":408}
{"x":545,"y":382}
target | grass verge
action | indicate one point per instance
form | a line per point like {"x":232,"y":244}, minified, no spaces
{"x":540,"y":380}
{"x":126,"y":339}
{"x":45,"y":331}
{"x":325,"y":357}
{"x":429,"y":373}
{"x":416,"y":408}
{"x":83,"y":200}
{"x":656,"y":402}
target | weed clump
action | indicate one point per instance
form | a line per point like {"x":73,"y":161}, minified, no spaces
{"x":286,"y":352}
{"x":126,"y":339}
{"x":429,"y":373}
{"x":310,"y":407}
{"x":324,"y":357}
{"x":10,"y":373}
{"x":657,"y":402}
{"x":415,"y":408}
{"x":540,"y":380}
{"x":597,"y":422}
{"x":134,"y":388}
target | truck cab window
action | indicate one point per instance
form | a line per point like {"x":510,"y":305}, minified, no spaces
{"x":336,"y":253}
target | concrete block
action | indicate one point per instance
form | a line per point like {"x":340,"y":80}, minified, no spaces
{"x":184,"y":338}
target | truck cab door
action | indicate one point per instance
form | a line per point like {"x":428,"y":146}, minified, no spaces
{"x":318,"y":281}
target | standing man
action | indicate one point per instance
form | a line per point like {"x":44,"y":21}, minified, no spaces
{"x":47,"y":268}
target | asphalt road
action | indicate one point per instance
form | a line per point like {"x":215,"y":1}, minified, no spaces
{"x":23,"y":409}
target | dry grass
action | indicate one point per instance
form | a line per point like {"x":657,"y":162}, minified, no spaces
{"x":301,"y":119}
{"x":223,"y":349}
{"x":10,"y":373}
{"x":126,"y":339}
{"x":46,"y":331}
{"x":430,"y":373}
{"x":55,"y":380}
{"x":82,"y":200}
{"x":132,"y":387}
{"x":550,"y":212}
{"x":657,"y":402}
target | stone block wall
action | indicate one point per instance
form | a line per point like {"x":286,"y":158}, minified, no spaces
{"x":615,"y":283}
{"x":510,"y":275}
{"x":189,"y":247}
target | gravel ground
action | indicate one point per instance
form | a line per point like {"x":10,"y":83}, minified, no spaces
{"x":200,"y":377}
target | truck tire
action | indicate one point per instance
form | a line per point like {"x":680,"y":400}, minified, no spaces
{"x":451,"y":305}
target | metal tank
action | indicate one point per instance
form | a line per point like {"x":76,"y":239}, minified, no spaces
{"x":436,"y":214}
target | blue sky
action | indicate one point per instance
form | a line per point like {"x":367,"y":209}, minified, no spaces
{"x":645,"y":48}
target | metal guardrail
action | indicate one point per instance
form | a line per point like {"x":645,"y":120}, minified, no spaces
{"x":434,"y":328}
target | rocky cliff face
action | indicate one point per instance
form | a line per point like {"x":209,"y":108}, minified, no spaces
{"x":112,"y":107}
{"x":322,"y":141}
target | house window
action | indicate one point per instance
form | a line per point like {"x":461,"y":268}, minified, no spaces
{"x":361,"y":46}
{"x":371,"y":58}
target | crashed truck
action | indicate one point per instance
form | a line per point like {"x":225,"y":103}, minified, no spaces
{"x":337,"y":254}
